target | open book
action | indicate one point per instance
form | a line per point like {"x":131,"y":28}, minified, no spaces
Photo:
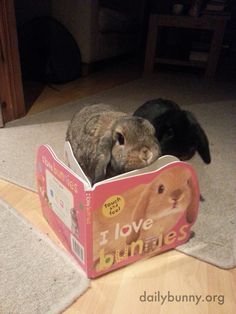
{"x":119,"y":220}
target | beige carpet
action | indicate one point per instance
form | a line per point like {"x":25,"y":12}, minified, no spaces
{"x":36,"y":276}
{"x":213,"y":103}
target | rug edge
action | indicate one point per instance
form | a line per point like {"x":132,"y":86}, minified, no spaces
{"x":85,"y":281}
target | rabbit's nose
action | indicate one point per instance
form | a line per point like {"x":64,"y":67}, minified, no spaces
{"x":145,"y":154}
{"x":176,"y":194}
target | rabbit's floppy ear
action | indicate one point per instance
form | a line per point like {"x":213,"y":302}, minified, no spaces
{"x":191,"y":212}
{"x":203,"y":145}
{"x":202,"y":140}
{"x":103,"y":156}
{"x":139,"y":212}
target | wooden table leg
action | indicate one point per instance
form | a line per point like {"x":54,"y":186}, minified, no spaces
{"x":215,"y":49}
{"x":151,"y":45}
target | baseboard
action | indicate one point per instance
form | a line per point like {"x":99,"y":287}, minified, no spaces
{"x":88,"y":68}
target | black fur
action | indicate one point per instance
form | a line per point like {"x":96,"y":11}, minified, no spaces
{"x":177,"y":130}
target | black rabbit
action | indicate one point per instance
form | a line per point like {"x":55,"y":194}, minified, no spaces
{"x":177,"y":130}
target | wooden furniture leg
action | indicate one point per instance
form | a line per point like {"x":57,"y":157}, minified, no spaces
{"x":215,"y":49}
{"x":1,"y":115}
{"x":151,"y":45}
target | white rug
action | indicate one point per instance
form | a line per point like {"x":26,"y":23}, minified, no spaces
{"x":36,"y":276}
{"x":214,"y":105}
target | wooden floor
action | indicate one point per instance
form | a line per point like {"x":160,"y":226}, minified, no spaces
{"x":111,"y":76}
{"x":140,"y":287}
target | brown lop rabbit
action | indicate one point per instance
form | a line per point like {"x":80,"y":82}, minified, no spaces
{"x":106,"y":142}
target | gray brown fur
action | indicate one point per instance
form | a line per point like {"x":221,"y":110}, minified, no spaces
{"x":96,"y":135}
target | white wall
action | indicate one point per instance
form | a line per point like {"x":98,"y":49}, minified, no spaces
{"x":76,"y":16}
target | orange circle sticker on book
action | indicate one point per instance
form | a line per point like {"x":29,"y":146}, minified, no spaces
{"x":113,"y":206}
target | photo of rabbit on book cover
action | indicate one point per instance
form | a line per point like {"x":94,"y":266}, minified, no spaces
{"x":119,"y":220}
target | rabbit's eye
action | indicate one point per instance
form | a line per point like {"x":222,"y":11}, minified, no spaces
{"x":169,"y":132}
{"x":161,"y":189}
{"x":120,"y":138}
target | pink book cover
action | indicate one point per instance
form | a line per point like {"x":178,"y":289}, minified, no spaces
{"x":120,"y":220}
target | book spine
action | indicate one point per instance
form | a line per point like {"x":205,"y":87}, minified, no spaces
{"x":78,"y":233}
{"x":88,"y":229}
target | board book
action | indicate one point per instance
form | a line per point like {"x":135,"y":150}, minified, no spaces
{"x":119,"y":220}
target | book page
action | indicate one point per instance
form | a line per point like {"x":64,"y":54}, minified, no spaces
{"x":144,"y":214}
{"x":72,"y":163}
